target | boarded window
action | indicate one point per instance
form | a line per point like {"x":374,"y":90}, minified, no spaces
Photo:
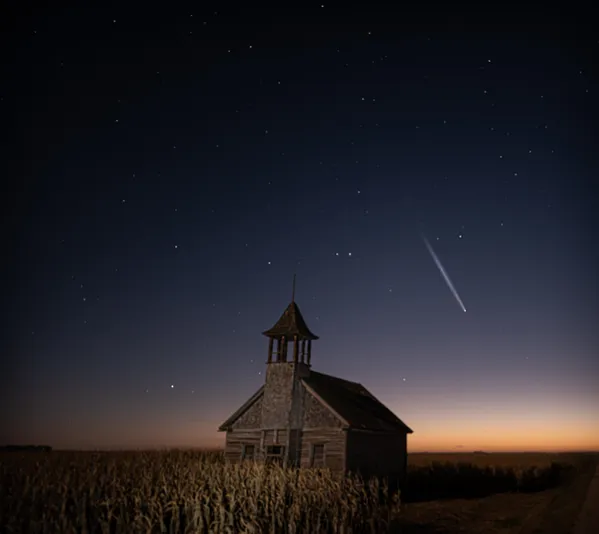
{"x":274,"y":453}
{"x":318,"y":455}
{"x":248,"y":452}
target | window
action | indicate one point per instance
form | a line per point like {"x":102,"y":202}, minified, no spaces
{"x":274,"y":453}
{"x":318,"y":455}
{"x":248,"y":452}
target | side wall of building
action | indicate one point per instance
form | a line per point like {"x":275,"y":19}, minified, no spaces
{"x":320,"y":427}
{"x":333,"y":442}
{"x":235,"y":441}
{"x":377,"y":454}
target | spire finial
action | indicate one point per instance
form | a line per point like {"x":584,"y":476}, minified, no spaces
{"x":293,"y":289}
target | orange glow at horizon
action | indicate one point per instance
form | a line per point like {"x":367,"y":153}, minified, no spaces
{"x":450,"y":426}
{"x":439,"y":436}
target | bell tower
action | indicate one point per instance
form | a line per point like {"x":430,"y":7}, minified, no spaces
{"x":290,"y":329}
{"x":282,"y":404}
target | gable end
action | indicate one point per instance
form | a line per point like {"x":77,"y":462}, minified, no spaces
{"x":243,"y":410}
{"x":317,"y":413}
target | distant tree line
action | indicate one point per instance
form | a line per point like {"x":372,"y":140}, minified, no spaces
{"x":29,"y":448}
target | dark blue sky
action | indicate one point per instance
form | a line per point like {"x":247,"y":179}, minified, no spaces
{"x":172,"y":168}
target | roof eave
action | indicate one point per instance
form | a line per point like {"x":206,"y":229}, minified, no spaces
{"x":378,"y":431}
{"x":274,"y":333}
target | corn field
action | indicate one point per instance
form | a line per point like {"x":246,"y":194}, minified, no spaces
{"x":439,"y":480}
{"x":182,"y":492}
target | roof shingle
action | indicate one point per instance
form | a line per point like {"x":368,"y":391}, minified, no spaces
{"x":355,"y":404}
{"x":291,"y":323}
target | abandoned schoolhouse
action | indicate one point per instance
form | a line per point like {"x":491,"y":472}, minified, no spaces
{"x":303,"y":418}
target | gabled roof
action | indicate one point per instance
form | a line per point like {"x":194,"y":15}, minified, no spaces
{"x":354,"y":403}
{"x":290,"y":324}
{"x":349,"y":401}
{"x":241,"y":410}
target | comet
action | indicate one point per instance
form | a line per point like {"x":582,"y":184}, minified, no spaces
{"x":444,"y":273}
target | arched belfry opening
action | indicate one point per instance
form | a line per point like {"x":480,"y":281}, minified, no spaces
{"x":290,"y":329}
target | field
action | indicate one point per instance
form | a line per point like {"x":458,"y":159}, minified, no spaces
{"x":500,"y":493}
{"x":197,"y":492}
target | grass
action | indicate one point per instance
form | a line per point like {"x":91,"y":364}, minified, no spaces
{"x":442,"y":476}
{"x":197,"y":492}
{"x":533,"y":509}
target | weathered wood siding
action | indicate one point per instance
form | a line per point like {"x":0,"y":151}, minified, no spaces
{"x":235,"y":441}
{"x":333,"y":440}
{"x":252,"y":417}
{"x":316,"y":415}
{"x":277,"y":436}
{"x":294,"y":447}
{"x":278,"y":391}
{"x":377,"y":453}
{"x":296,"y":417}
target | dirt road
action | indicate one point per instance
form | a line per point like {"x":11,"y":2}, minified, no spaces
{"x":588,"y":520}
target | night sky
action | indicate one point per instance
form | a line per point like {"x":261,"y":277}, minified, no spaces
{"x":168,"y":169}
